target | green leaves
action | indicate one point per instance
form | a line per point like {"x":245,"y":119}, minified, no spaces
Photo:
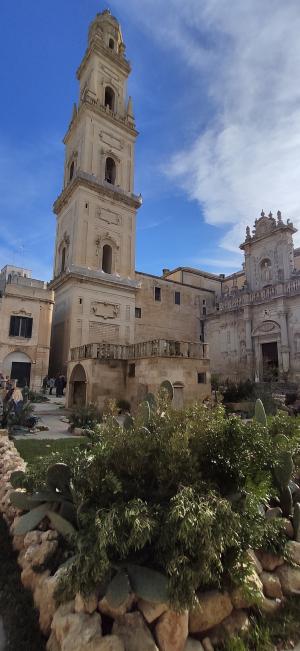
{"x":61,"y":525}
{"x":31,"y":519}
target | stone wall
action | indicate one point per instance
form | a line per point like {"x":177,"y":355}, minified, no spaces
{"x":136,"y":624}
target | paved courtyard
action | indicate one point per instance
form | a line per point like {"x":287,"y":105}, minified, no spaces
{"x":51,"y":414}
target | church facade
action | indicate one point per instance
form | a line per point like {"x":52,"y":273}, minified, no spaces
{"x":120,"y":333}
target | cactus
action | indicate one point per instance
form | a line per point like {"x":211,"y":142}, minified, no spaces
{"x":143,"y":413}
{"x":286,"y":502}
{"x":31,"y":519}
{"x":260,"y":414}
{"x":128,"y":422}
{"x":118,"y":590}
{"x":282,"y":473}
{"x":16,"y":478}
{"x":296,"y":522}
{"x":148,"y":584}
{"x":22,"y":501}
{"x":284,"y":469}
{"x":150,"y":398}
{"x":61,"y":525}
{"x":59,"y":477}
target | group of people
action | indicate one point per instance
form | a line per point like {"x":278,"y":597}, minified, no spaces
{"x":58,"y":383}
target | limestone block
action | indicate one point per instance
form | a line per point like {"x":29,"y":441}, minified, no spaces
{"x":193,"y":645}
{"x":106,"y":609}
{"x":86,"y":604}
{"x":252,"y":557}
{"x":37,"y":555}
{"x":52,"y":643}
{"x":271,"y":585}
{"x":134,"y":633}
{"x":151,"y":611}
{"x":76,"y":631}
{"x":269,"y":561}
{"x":31,"y":579}
{"x":172,"y":630}
{"x":44,"y":600}
{"x":110,"y":643}
{"x":32,"y":538}
{"x":235,"y":623}
{"x":289,"y":529}
{"x":207,"y":644}
{"x":213,"y":607}
{"x":270,"y":606}
{"x":50,"y":534}
{"x":289,"y":578}
{"x":293,"y":551}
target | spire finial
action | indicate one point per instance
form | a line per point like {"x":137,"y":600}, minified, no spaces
{"x":270,"y":214}
{"x":262,"y":214}
{"x":279,"y":216}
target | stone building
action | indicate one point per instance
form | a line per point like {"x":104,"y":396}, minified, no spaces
{"x":254,"y":328}
{"x":116,"y":332}
{"x":25,"y":326}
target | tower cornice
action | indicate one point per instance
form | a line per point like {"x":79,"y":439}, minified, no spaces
{"x":96,"y":46}
{"x":103,"y":188}
{"x":88,"y":103}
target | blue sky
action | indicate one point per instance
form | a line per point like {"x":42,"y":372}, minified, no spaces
{"x":217,"y":102}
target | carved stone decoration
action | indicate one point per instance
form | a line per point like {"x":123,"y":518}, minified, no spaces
{"x":105,"y":310}
{"x":22,"y":313}
{"x":266,"y":327}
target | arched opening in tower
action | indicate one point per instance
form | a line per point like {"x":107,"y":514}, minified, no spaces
{"x":107,"y":259}
{"x":109,"y":98}
{"x":110,"y":170}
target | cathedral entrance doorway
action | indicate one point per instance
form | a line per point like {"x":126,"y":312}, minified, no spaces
{"x":77,"y":388}
{"x":270,"y":360}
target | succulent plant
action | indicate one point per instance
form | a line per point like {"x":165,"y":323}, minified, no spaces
{"x":55,"y":502}
{"x":260,"y":414}
{"x":282,"y":473}
{"x":143,"y":413}
{"x":128,"y":422}
{"x":167,"y":386}
{"x":144,"y":582}
{"x":296,"y":521}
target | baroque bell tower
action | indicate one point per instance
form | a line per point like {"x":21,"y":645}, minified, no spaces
{"x":94,"y":279}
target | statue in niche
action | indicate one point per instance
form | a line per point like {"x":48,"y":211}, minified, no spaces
{"x":266,"y":271}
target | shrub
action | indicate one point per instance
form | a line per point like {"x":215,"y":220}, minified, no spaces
{"x":179,"y":493}
{"x":236,"y":392}
{"x":85,"y":417}
{"x":34,"y":396}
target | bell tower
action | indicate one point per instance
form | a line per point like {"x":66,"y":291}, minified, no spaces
{"x":93,"y":278}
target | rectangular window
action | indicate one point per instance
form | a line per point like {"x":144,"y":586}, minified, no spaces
{"x":131,"y":370}
{"x":80,"y":301}
{"x":138,"y":312}
{"x":20,"y":326}
{"x":201,"y":378}
{"x":177,"y":298}
{"x":157,"y":293}
{"x":204,"y":310}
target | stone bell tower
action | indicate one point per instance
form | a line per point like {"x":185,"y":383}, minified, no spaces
{"x":94,"y":263}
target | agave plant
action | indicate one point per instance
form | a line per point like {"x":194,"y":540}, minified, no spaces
{"x":55,"y":502}
{"x":144,"y":582}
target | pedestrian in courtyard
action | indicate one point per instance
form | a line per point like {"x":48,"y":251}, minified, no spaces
{"x":17,"y":399}
{"x":59,"y":386}
{"x":51,"y":385}
{"x":45,"y":384}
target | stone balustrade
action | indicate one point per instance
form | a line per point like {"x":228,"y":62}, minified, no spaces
{"x":154,"y":348}
{"x":242,"y":297}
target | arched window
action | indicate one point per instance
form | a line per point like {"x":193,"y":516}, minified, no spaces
{"x":72,"y":167}
{"x":63,"y":259}
{"x":110,"y":170}
{"x":109,"y":98}
{"x":107,"y":259}
{"x":111,"y":43}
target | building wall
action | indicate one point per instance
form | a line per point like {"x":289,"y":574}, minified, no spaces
{"x":164,"y":319}
{"x":37,"y":303}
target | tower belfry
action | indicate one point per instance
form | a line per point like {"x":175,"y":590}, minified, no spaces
{"x":94,"y":279}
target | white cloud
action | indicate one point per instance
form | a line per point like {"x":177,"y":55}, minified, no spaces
{"x":248,"y":155}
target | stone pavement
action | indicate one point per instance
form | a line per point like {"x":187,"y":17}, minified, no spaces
{"x":50,"y":414}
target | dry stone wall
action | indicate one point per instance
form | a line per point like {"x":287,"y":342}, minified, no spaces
{"x":90,"y":624}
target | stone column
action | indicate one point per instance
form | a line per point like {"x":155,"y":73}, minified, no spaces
{"x":285,"y":351}
{"x":249,"y":343}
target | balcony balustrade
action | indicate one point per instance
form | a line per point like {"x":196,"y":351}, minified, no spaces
{"x":242,"y":297}
{"x":154,"y":348}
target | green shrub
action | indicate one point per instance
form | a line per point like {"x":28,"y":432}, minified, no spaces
{"x":179,"y":494}
{"x":236,"y":392}
{"x":86,"y":417}
{"x":34,"y":396}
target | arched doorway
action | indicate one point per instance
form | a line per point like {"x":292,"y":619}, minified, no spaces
{"x":17,"y":366}
{"x":77,"y":389}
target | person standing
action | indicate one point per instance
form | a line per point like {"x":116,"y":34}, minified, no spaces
{"x":51,"y":385}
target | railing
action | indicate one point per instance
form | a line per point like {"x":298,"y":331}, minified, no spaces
{"x":26,"y":282}
{"x":104,"y":184}
{"x":154,"y":348}
{"x":242,"y":297}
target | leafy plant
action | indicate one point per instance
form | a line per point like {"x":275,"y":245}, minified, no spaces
{"x":260,"y":414}
{"x":85,"y":417}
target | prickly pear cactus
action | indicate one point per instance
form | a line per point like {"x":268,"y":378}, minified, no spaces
{"x":168,"y":387}
{"x":284,"y":469}
{"x":296,"y":521}
{"x":260,"y":414}
{"x":143,"y":413}
{"x":59,"y":477}
{"x":286,"y":502}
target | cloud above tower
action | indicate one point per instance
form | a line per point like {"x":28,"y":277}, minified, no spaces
{"x":247,"y":153}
